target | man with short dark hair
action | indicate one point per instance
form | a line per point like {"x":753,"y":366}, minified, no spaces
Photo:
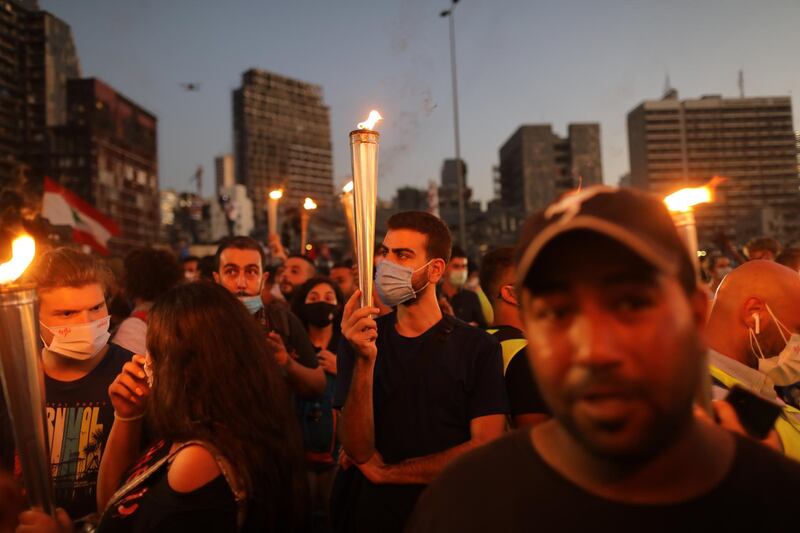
{"x":297,"y":269}
{"x":497,"y":278}
{"x":416,"y":389}
{"x":149,"y":273}
{"x":240,"y":269}
{"x":342,"y":274}
{"x":765,"y":248}
{"x":616,"y":344}
{"x":464,"y":303}
{"x":190,"y":268}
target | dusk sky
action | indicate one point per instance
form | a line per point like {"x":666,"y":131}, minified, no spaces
{"x":520,"y":62}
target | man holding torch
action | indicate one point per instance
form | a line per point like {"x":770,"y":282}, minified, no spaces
{"x":416,"y":388}
{"x":79,"y":365}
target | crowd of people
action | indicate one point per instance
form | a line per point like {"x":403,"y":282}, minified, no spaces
{"x":592,"y":376}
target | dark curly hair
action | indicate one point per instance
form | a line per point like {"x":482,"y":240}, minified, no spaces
{"x":149,"y":273}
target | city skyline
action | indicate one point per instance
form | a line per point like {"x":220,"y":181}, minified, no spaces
{"x":518,"y":64}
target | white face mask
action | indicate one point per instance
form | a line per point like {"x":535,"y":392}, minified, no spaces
{"x":784,"y":368}
{"x":458,"y":278}
{"x":79,"y":341}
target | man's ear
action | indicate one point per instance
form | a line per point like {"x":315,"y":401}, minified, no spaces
{"x":264,"y":279}
{"x":436,"y":271}
{"x":216,"y":277}
{"x":754,"y":314}
{"x":509,"y":295}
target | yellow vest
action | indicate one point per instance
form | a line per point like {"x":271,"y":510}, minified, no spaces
{"x":510,"y":347}
{"x":787,"y":425}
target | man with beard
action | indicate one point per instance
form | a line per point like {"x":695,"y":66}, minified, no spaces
{"x":297,"y":269}
{"x":240,"y":269}
{"x":616,"y":347}
{"x":416,"y":389}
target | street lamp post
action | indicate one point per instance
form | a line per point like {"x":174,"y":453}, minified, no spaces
{"x":462,"y":237}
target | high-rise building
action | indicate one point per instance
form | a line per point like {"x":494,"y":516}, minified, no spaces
{"x":749,"y":141}
{"x":448,"y":191}
{"x":282,"y":138}
{"x":107,"y":154}
{"x":536,"y":165}
{"x":224,"y":166}
{"x":37,"y":57}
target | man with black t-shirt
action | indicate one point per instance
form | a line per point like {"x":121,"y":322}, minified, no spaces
{"x":464,"y":303}
{"x":616,"y":344}
{"x":417,"y":389}
{"x":497,"y":279}
{"x":79,"y":365}
{"x":240,"y":269}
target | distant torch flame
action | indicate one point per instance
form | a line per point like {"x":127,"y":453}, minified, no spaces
{"x":23,"y":250}
{"x":277,"y":194}
{"x":684,"y":200}
{"x":373,"y":119}
{"x":309,"y":204}
{"x":348,"y":187}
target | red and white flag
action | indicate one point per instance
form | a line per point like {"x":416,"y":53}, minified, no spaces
{"x":62,"y":207}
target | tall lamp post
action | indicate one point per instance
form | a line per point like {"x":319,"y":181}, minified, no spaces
{"x":462,"y":235}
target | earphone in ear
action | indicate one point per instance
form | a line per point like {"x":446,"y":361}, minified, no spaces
{"x":758,"y":322}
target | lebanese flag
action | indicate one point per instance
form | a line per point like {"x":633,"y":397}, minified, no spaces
{"x":62,"y":207}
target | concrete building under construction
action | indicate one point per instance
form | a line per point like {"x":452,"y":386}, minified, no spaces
{"x":282,"y":138}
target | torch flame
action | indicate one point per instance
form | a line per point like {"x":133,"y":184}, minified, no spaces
{"x":309,"y":204}
{"x":348,"y":187}
{"x":277,"y":194}
{"x":23,"y":250}
{"x":683,"y":200}
{"x":373,"y":119}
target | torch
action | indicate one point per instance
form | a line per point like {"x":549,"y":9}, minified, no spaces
{"x":272,"y":209}
{"x":349,"y":212}
{"x":681,"y":206}
{"x":21,"y":372}
{"x":308,"y":206}
{"x":364,"y":158}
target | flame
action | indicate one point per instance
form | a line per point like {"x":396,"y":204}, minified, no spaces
{"x":309,"y":204}
{"x":683,"y":200}
{"x":277,"y":194}
{"x":23,"y":250}
{"x":348,"y":187}
{"x":373,"y":119}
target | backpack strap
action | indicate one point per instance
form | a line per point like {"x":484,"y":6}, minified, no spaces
{"x":234,"y":483}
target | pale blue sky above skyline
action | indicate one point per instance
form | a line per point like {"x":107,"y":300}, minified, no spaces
{"x":519,"y":62}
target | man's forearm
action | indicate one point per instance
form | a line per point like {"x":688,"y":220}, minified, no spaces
{"x":423,"y":470}
{"x":306,"y":382}
{"x":357,"y":423}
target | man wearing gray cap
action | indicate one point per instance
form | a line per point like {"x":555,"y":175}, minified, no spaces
{"x":614,"y":319}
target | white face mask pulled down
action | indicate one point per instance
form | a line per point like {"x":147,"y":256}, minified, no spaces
{"x":784,"y":368}
{"x":78,"y":341}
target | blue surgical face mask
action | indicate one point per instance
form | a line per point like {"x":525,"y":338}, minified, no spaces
{"x":252,"y":303}
{"x":393,"y":283}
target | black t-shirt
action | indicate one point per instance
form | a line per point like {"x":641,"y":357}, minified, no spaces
{"x":79,"y":418}
{"x":155,"y":506}
{"x":523,"y":391}
{"x":291,"y":330}
{"x":467,"y":307}
{"x":424,"y":398}
{"x":506,"y":486}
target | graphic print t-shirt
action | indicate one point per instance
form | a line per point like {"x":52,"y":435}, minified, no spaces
{"x":79,"y":418}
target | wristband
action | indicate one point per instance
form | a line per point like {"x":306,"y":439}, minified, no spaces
{"x":128,"y":418}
